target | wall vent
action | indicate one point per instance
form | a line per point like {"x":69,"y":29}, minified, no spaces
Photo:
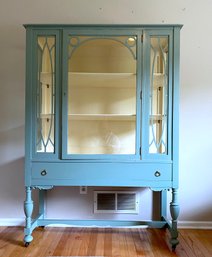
{"x":116,"y":202}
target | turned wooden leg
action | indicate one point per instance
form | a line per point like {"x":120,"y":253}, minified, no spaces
{"x":174,"y":209}
{"x":28,"y":208}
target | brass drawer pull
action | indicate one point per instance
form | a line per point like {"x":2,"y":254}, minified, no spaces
{"x":157,"y":173}
{"x":43,"y":173}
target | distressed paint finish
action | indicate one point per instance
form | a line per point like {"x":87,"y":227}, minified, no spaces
{"x":142,"y":169}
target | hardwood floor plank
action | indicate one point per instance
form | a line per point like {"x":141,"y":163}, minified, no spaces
{"x":92,"y":242}
{"x":76,"y":241}
{"x":138,"y":242}
{"x":100,"y":242}
{"x":199,"y":246}
{"x":122,"y":244}
{"x":205,"y":238}
{"x":43,"y":243}
{"x":59,"y":249}
{"x":145,"y":243}
{"x":49,"y":245}
{"x":195,"y":244}
{"x":116,"y":243}
{"x":107,"y":242}
{"x":9,"y":241}
{"x":130,"y":244}
{"x":84,"y":236}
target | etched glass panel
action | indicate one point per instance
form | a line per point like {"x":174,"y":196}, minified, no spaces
{"x":158,"y":95}
{"x":45,"y":94}
{"x":101,"y":95}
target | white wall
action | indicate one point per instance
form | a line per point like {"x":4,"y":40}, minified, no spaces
{"x":195,"y":96}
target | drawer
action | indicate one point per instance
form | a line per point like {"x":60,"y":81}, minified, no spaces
{"x":101,"y":174}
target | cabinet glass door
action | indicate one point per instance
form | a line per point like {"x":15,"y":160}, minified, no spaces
{"x":159,"y":77}
{"x":45,"y":95}
{"x":101,"y":101}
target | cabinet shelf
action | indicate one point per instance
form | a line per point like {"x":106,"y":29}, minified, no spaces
{"x":87,"y":79}
{"x":159,"y":79}
{"x":46,"y":115}
{"x":110,"y":117}
{"x":46,"y":78}
{"x":157,"y":117}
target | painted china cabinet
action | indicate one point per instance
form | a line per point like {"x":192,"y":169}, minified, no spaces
{"x":102,"y":110}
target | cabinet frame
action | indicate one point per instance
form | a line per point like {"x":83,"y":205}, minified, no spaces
{"x":156,"y":171}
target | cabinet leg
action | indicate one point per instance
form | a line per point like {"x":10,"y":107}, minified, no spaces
{"x":174,"y":210}
{"x":28,"y":208}
{"x":163,"y":204}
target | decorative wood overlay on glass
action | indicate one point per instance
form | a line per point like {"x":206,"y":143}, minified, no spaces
{"x":102,"y":95}
{"x":158,"y":95}
{"x":45,"y":94}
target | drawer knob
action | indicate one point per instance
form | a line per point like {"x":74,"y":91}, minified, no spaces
{"x":157,"y":173}
{"x":43,"y":173}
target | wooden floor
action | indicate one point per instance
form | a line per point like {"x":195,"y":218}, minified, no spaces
{"x":103,"y":242}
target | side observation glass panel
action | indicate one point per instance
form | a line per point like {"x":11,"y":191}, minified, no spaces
{"x":159,"y":75}
{"x":45,"y":94}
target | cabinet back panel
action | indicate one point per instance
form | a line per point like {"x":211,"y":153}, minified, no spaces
{"x":102,"y":55}
{"x":102,"y":137}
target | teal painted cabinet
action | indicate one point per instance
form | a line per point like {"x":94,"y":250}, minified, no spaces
{"x":102,"y":110}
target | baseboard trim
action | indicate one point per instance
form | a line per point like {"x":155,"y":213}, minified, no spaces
{"x":12,"y":222}
{"x":181,"y":224}
{"x":195,"y":224}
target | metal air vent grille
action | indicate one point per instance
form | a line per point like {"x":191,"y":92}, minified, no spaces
{"x":115,"y":202}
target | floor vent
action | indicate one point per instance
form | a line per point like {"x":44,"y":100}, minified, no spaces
{"x":115,"y":202}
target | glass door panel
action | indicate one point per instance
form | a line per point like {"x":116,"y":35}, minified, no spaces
{"x":159,"y":74}
{"x":45,"y":94}
{"x":101,"y":95}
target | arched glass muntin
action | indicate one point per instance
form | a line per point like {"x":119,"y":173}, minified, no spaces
{"x":158,"y":107}
{"x":45,"y":94}
{"x":129,"y":42}
{"x":101,"y":95}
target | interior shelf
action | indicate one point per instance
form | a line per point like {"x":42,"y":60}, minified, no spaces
{"x":118,"y":117}
{"x":87,"y":79}
{"x":46,"y":115}
{"x":46,"y":78}
{"x":157,"y":117}
{"x":159,"y":79}
{"x":112,"y":117}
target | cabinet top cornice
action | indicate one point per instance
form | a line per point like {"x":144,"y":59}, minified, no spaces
{"x":124,"y":26}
